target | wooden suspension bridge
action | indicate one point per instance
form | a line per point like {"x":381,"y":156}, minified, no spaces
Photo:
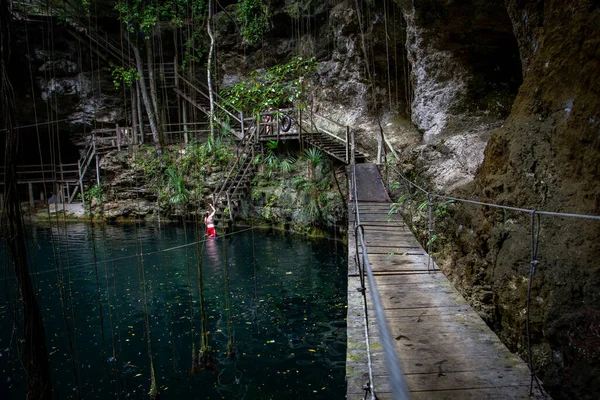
{"x":445,"y":349}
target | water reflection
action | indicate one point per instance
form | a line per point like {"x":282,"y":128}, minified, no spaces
{"x":287,"y":313}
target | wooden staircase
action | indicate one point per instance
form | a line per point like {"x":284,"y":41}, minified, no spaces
{"x":330,"y":146}
{"x":227,"y":198}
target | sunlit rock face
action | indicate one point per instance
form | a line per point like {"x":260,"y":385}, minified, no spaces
{"x":465,"y":63}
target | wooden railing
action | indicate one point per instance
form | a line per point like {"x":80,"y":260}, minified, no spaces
{"x":42,"y":173}
{"x":196,"y":94}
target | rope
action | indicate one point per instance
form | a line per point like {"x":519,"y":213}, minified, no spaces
{"x":399,"y":386}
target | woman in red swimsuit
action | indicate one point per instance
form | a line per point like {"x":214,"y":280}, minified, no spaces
{"x":210,"y":225}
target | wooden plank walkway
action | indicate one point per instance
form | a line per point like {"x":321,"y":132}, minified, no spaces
{"x":445,"y":349}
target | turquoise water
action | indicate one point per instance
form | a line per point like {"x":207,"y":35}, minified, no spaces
{"x":287,"y":313}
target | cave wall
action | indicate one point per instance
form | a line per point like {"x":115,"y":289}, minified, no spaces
{"x":546,"y":156}
{"x":465,"y":65}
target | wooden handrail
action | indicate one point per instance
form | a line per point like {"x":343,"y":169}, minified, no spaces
{"x":246,"y":143}
{"x":217,"y":103}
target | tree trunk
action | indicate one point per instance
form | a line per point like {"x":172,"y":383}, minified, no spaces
{"x":134,"y":116}
{"x":140,"y":115}
{"x":208,"y":68}
{"x":151,"y":80}
{"x":35,"y":355}
{"x":146,"y":99}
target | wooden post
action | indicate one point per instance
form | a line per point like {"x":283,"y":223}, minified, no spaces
{"x":185,"y":120}
{"x":81,"y":182}
{"x":258,"y":128}
{"x":118,"y":131}
{"x":229,"y":207}
{"x":347,"y":144}
{"x":242,"y":125}
{"x":57,"y":194}
{"x":31,"y":201}
{"x":134,"y":117}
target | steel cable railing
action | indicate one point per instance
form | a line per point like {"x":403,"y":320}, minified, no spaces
{"x":396,"y":377}
{"x":534,"y":262}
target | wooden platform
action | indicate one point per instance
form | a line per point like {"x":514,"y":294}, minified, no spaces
{"x":446,"y":350}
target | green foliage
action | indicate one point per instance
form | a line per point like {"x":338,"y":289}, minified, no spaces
{"x":272,"y":144}
{"x":95,"y":193}
{"x":287,"y":165}
{"x":179,"y":194}
{"x":297,"y":8}
{"x":178,"y":175}
{"x":280,"y":86}
{"x":414,"y":206}
{"x":253,"y":16}
{"x":123,"y":75}
{"x":314,"y":156}
{"x":195,"y":44}
{"x":143,"y":15}
{"x":267,"y":211}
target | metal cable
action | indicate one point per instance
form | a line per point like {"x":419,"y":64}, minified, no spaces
{"x":481,"y":203}
{"x":142,"y":253}
{"x":363,"y":289}
{"x":399,"y":386}
{"x":535,"y":242}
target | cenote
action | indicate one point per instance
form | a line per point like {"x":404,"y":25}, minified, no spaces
{"x":113,"y":297}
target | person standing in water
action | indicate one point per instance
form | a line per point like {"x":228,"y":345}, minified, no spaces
{"x":210,"y":225}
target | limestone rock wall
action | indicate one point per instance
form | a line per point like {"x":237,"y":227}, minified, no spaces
{"x":545,"y":156}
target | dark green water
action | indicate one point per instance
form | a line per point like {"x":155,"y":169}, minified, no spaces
{"x":288,"y":309}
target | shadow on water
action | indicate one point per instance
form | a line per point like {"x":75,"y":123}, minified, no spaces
{"x":281,"y":301}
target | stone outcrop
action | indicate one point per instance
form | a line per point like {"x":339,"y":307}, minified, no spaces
{"x":465,"y":67}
